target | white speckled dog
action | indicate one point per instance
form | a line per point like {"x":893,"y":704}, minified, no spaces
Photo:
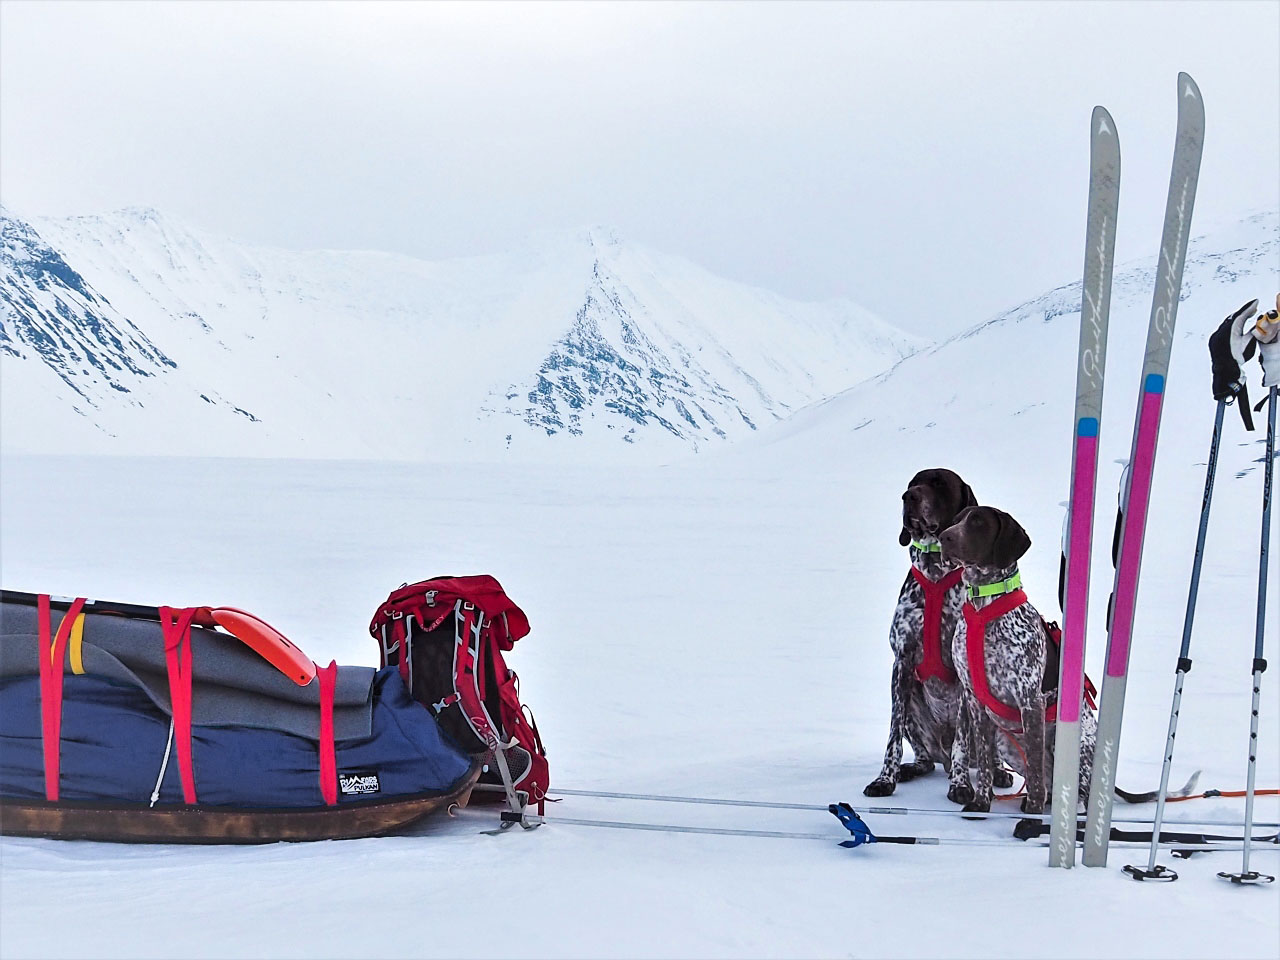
{"x":1007,"y":670}
{"x":924,"y":694}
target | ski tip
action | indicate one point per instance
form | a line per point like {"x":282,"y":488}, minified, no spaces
{"x":1182,"y":793}
{"x":1103,"y":125}
{"x":1190,"y":104}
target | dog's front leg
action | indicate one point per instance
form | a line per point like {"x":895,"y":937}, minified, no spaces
{"x":960,"y":789}
{"x":1087,"y":743}
{"x":981,"y":755}
{"x":1033,"y":741}
{"x":887,"y":782}
{"x":915,"y":720}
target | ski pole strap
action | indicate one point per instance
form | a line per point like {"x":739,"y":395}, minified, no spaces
{"x":1242,"y":402}
{"x":51,"y":654}
{"x":328,"y":754}
{"x":176,"y":625}
{"x":978,"y":590}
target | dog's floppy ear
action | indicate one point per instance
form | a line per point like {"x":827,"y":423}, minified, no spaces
{"x":967,"y":499}
{"x":1011,"y":541}
{"x":904,"y":537}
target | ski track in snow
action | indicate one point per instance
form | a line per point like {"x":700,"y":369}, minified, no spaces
{"x":717,"y":627}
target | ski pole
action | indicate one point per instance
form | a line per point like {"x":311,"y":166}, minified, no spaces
{"x":1153,"y":871}
{"x":1259,"y":664}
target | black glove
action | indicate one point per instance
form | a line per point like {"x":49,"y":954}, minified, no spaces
{"x":1229,"y":347}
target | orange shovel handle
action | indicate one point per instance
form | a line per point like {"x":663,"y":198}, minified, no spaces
{"x":266,"y":641}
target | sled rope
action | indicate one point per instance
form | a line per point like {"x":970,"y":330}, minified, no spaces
{"x":673,"y":828}
{"x":164,"y":765}
{"x":894,"y":811}
{"x":1209,"y":794}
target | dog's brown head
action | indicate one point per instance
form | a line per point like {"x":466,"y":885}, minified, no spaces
{"x":984,"y":537}
{"x":931,"y":503}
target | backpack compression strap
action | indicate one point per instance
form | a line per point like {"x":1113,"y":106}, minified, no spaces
{"x":935,"y":598}
{"x":468,"y":672}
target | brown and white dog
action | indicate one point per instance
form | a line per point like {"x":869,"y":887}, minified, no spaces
{"x":924,"y":693}
{"x":1008,"y":673}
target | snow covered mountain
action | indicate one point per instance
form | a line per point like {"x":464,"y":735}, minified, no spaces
{"x":995,"y":403}
{"x":128,"y":333}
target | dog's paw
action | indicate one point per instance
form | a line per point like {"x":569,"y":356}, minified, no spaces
{"x":916,"y":768}
{"x":960,"y":793}
{"x":1032,"y":806}
{"x":879,"y":787}
{"x":978,"y":806}
{"x":1002,"y":778}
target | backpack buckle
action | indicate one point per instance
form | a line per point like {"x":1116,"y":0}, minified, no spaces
{"x":448,"y":701}
{"x":430,"y":596}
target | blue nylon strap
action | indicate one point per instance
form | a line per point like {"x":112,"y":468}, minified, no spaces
{"x":856,"y":826}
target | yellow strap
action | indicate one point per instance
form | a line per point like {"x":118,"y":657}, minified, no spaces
{"x":77,"y":634}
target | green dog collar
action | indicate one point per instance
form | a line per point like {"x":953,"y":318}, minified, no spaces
{"x":995,"y":589}
{"x":934,"y":547}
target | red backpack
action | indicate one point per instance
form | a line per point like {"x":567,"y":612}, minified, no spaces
{"x":447,"y":636}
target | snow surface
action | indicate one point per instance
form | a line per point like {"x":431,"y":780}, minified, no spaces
{"x":715,"y":627}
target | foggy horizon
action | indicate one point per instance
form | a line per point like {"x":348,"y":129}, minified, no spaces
{"x":927,"y":161}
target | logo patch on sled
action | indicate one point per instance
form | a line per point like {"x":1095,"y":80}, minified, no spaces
{"x":354,"y":783}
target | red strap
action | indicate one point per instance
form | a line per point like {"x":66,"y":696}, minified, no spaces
{"x":176,"y":625}
{"x":51,"y":657}
{"x":976,"y":621}
{"x":1090,"y":693}
{"x":935,"y":594}
{"x":328,"y":677}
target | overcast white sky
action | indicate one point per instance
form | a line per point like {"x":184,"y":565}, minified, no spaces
{"x":927,"y":160}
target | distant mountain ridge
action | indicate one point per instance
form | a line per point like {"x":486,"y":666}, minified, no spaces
{"x":1002,"y":390}
{"x":128,"y":333}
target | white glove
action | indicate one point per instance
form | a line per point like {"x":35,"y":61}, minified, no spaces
{"x":1269,"y":355}
{"x":1267,"y":332}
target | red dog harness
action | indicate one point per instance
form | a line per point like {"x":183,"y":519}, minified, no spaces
{"x":935,"y":597}
{"x":976,"y":622}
